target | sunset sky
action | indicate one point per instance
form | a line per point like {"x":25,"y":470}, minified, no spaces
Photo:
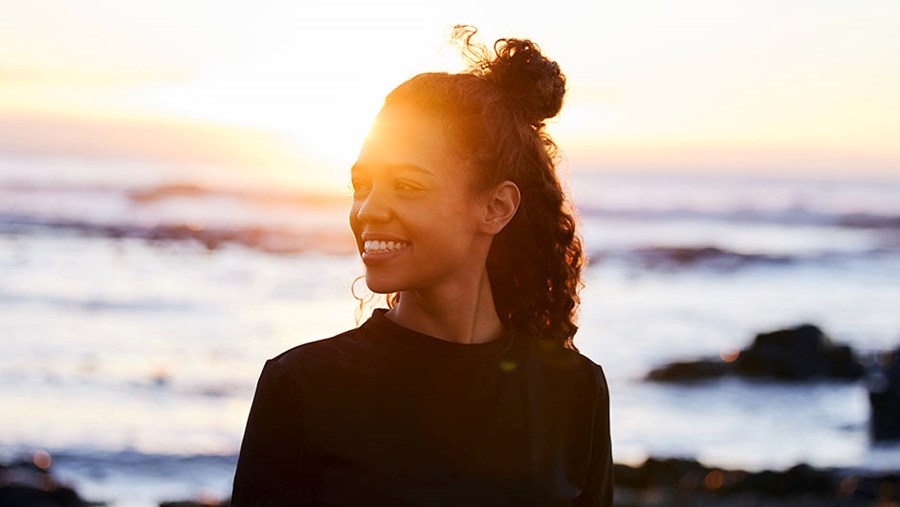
{"x":763,"y":85}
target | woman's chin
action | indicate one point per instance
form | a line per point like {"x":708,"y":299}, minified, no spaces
{"x":381,"y":286}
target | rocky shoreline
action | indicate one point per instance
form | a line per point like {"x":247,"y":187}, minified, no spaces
{"x":804,"y":353}
{"x":687,"y":483}
{"x":797,"y":354}
{"x":655,"y":483}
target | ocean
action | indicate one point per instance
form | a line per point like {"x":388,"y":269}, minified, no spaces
{"x":139,"y":301}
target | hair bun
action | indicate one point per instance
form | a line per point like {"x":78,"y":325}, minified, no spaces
{"x":533,"y":83}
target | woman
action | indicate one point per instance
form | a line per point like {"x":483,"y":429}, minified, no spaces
{"x":468,"y":390}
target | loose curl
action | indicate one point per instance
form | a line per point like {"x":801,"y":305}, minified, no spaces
{"x":494,"y":113}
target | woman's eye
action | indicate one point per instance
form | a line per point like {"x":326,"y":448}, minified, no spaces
{"x":359,"y":187}
{"x":406,"y":186}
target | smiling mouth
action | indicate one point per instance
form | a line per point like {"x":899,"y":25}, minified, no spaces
{"x":373,"y":247}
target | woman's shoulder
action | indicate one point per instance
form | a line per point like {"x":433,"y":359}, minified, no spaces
{"x":570,"y":365}
{"x":322,"y":354}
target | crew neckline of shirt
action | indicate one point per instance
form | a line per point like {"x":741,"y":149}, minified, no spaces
{"x":415,"y":341}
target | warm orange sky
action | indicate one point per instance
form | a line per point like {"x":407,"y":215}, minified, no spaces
{"x":653,"y":84}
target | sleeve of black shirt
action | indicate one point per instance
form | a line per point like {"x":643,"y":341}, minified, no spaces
{"x":270,"y":469}
{"x":598,"y":489}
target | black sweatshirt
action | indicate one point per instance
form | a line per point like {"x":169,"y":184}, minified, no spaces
{"x":386,"y":416}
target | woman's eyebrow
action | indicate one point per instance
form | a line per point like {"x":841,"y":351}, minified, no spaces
{"x":359,"y":169}
{"x":409,"y":167}
{"x":356,"y":169}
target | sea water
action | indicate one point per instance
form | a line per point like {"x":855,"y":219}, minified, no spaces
{"x":138,"y":303}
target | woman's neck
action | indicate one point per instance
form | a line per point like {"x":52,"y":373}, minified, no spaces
{"x":464,"y":314}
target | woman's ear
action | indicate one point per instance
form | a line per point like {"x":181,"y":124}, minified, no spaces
{"x":500,"y":205}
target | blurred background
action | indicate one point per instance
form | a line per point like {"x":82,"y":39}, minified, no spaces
{"x":174,"y":190}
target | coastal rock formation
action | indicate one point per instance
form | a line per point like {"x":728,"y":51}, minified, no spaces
{"x":799,"y":353}
{"x":275,"y":240}
{"x":667,"y":482}
{"x":884,"y":397}
{"x":30,"y":484}
{"x":197,"y":503}
{"x":685,"y":482}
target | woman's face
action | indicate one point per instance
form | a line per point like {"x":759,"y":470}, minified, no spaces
{"x":414,"y":215}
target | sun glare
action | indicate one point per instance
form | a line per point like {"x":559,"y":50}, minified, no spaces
{"x":318,"y":84}
{"x":325,"y":119}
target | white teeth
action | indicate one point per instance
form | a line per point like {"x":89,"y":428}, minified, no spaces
{"x":373,"y":246}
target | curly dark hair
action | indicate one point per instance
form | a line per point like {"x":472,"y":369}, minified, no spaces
{"x":494,"y":115}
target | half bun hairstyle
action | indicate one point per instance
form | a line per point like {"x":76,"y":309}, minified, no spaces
{"x":533,"y":85}
{"x":494,"y":116}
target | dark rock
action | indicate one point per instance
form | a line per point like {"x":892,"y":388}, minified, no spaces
{"x":668,"y":258}
{"x":884,"y":397}
{"x":800,"y":353}
{"x":687,"y":371}
{"x":23,"y":484}
{"x":266,"y":239}
{"x":677,"y":482}
{"x":27,"y":496}
{"x":654,"y":472}
{"x":883,"y":488}
{"x":196,"y":503}
{"x":800,"y":478}
{"x":657,"y":257}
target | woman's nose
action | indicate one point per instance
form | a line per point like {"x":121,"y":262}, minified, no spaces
{"x":375,"y":208}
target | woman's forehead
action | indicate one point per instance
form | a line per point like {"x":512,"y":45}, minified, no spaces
{"x":405,"y":136}
{"x":407,"y":120}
